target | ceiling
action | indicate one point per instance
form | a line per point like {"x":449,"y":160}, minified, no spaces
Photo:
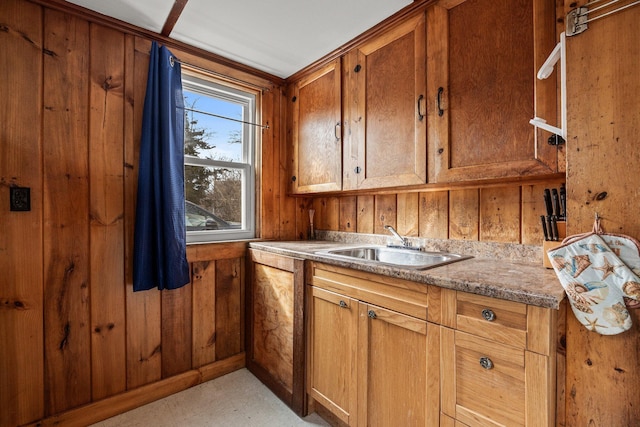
{"x":279,"y":37}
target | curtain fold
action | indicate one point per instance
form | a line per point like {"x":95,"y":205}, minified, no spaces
{"x":160,"y":250}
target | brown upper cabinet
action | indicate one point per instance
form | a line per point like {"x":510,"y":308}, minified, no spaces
{"x":385,"y":109}
{"x":442,"y":95}
{"x":317,"y":131}
{"x":482,"y":89}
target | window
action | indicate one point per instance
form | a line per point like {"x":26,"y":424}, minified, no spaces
{"x":219,"y":161}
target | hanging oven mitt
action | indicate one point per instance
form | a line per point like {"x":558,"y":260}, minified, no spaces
{"x":596,"y":281}
{"x":625,"y":247}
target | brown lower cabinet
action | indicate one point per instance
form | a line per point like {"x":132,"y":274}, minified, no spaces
{"x":387,"y":352}
{"x":382,"y":351}
{"x":498,"y":362}
{"x":371,"y":363}
{"x":275,"y":325}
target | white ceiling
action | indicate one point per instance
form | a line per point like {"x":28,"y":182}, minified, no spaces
{"x":279,"y":37}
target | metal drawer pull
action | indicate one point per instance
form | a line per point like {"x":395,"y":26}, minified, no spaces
{"x":488,"y":315}
{"x":343,"y":304}
{"x":372,"y":314}
{"x":486,"y":363}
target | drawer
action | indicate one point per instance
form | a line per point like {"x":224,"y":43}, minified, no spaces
{"x":499,"y":320}
{"x":490,"y":382}
{"x":395,"y":294}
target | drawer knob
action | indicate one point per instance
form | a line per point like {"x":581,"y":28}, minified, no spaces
{"x":486,"y":363}
{"x":372,"y":314}
{"x":343,"y":304}
{"x":488,"y":315}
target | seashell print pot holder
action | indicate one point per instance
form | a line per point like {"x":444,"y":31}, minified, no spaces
{"x":599,"y":273}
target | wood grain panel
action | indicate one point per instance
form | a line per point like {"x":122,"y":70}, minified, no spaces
{"x":273,"y":305}
{"x":348,"y":214}
{"x":433,"y":214}
{"x":385,"y":129}
{"x":317,"y":118}
{"x":176,"y":306}
{"x":485,"y":64}
{"x":106,"y":77}
{"x":327,"y":215}
{"x":302,"y":218}
{"x":365,"y":214}
{"x":66,"y":203}
{"x":268,"y":179}
{"x":463,"y":214}
{"x":229,"y":307}
{"x":602,"y":154}
{"x":500,"y":214}
{"x":21,"y":263}
{"x":385,"y":213}
{"x":392,"y":368}
{"x":407,"y":214}
{"x":287,"y":205}
{"x":214,"y":251}
{"x":203,"y":332}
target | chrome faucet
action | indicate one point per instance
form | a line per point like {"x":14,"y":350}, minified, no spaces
{"x":404,"y":240}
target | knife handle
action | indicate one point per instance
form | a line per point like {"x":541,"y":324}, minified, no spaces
{"x":544,"y":227}
{"x":563,"y":202}
{"x":556,"y":203}
{"x":547,"y":202}
{"x":554,"y":229}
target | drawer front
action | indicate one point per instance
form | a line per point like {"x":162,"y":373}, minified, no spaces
{"x":395,"y":294}
{"x":499,"y":320}
{"x":490,"y":382}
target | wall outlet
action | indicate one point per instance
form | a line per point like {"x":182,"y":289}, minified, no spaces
{"x":20,"y":199}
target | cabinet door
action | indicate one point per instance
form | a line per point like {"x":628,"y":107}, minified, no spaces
{"x":331,"y":379}
{"x":384,"y":107}
{"x":317,"y":131}
{"x":393,"y":370}
{"x":275,"y":327}
{"x":483,"y":382}
{"x":483,"y":59}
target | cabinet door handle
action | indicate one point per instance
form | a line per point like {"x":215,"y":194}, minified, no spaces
{"x":439,"y":101}
{"x":488,"y":315}
{"x":343,"y":304}
{"x":420,"y":115}
{"x":371,"y":314}
{"x":337,"y":132}
{"x":486,"y":363}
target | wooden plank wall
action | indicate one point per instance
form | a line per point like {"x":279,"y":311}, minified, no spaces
{"x":508,"y":214}
{"x":73,"y":333}
{"x":603,"y":63}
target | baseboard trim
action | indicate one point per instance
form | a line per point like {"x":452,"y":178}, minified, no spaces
{"x":123,"y":402}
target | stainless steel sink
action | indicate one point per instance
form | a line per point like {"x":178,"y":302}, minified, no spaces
{"x":398,"y":257}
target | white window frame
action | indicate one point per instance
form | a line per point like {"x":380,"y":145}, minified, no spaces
{"x":248,"y":99}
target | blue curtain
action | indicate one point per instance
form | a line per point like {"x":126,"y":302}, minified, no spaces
{"x":160,"y":250}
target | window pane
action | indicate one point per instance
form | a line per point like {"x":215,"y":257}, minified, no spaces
{"x":213,"y":198}
{"x":209,"y":137}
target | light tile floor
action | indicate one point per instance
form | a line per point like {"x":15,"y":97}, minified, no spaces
{"x":236,"y":399}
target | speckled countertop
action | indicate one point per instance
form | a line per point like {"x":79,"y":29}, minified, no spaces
{"x":526,"y":282}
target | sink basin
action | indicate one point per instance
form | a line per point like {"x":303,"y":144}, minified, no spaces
{"x":398,"y":257}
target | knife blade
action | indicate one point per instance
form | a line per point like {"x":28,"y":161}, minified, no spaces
{"x":556,"y":203}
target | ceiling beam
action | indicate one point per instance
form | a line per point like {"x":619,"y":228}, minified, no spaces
{"x":176,"y":10}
